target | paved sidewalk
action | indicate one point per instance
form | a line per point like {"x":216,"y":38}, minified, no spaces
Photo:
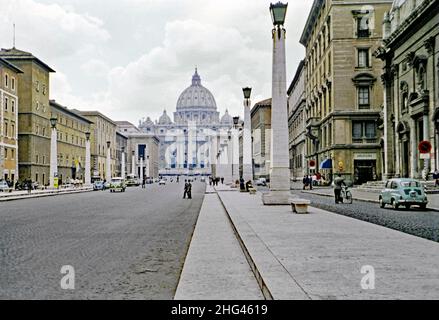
{"x":320,"y":255}
{"x":433,"y":199}
{"x":215,"y":267}
{"x":18,"y":195}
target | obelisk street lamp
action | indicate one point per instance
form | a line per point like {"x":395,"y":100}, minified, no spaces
{"x":133,"y":163}
{"x":141,"y":173}
{"x":53,"y":174}
{"x":279,"y":165}
{"x":108,"y":165}
{"x":122,"y":169}
{"x":87,"y":181}
{"x":235,"y":150}
{"x":246,"y":142}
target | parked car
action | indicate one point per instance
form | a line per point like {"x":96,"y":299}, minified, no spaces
{"x":162,"y":182}
{"x":261,"y":182}
{"x":4,"y":187}
{"x":107,"y":185}
{"x":117,"y":184}
{"x":98,"y":185}
{"x":403,"y":192}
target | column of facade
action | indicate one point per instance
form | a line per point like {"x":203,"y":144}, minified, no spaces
{"x":147,"y":159}
{"x":235,"y":154}
{"x":247,"y":171}
{"x":141,"y":173}
{"x":397,"y":147}
{"x":53,"y":157}
{"x":190,"y":145}
{"x":414,"y":150}
{"x":2,"y":148}
{"x":213,"y":152}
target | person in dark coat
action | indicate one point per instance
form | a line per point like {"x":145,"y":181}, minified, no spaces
{"x":186,"y":186}
{"x":189,"y":190}
{"x":338,"y":183}
{"x":436,"y":178}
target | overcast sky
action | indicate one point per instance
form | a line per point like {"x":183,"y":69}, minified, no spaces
{"x":132,"y":58}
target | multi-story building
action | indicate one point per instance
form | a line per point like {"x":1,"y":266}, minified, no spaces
{"x":297,"y":123}
{"x":411,"y":73}
{"x":344,"y":96}
{"x":9,"y":121}
{"x":102,"y":138}
{"x":71,"y":137}
{"x":33,"y":114}
{"x":261,"y":138}
{"x":121,"y":147}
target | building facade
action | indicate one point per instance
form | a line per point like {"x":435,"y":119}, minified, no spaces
{"x":71,"y":137}
{"x":33,"y":115}
{"x":190,"y":144}
{"x":297,"y":123}
{"x":121,"y":148}
{"x":411,"y":72}
{"x":9,"y":121}
{"x":261,"y":138}
{"x":344,"y":97}
{"x":102,"y":141}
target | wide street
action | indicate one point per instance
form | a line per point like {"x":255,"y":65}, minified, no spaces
{"x":128,"y":245}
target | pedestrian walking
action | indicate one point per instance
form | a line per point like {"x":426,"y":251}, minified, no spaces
{"x":310,"y":182}
{"x":186,"y":186}
{"x":304,"y":181}
{"x":143,"y":183}
{"x":338,"y":183}
{"x":189,"y":190}
{"x":241,"y":184}
{"x":436,"y":178}
{"x":222,"y":180}
{"x":29,"y":186}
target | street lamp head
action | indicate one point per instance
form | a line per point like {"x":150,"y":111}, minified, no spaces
{"x":53,"y":122}
{"x":278,"y":12}
{"x":247,"y":92}
{"x":108,"y":144}
{"x":133,"y":152}
{"x":235,"y":120}
{"x":87,"y":136}
{"x":122,"y":149}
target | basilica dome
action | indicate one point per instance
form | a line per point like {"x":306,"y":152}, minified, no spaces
{"x":196,"y":97}
{"x":226,"y":118}
{"x":165,"y":119}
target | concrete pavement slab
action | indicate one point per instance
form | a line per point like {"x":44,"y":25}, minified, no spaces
{"x":321,"y":255}
{"x":215,"y":267}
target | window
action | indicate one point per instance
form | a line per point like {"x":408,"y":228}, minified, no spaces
{"x":13,"y":84}
{"x":6,"y":103}
{"x":37,"y":86}
{"x":363,"y":27}
{"x":363,"y":97}
{"x":6,"y":80}
{"x":12,"y":130}
{"x":13,"y":106}
{"x":363,"y":130}
{"x":363,"y":58}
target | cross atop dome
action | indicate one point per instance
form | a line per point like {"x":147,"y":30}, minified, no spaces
{"x":196,"y":80}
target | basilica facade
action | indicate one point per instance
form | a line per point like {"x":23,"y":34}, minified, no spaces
{"x":196,"y":141}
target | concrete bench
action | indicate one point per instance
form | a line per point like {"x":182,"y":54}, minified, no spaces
{"x":252,"y":190}
{"x":300,"y":205}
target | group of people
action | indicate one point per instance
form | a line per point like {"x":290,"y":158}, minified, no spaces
{"x":215,"y":180}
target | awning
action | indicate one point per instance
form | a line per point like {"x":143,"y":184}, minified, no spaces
{"x":326,"y":164}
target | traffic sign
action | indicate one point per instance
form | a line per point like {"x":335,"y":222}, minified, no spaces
{"x":312,"y":164}
{"x":424,"y":147}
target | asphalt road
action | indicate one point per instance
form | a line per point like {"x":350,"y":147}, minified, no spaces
{"x":128,"y":245}
{"x":424,"y":224}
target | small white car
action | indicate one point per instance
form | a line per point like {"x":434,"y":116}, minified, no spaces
{"x":162,"y":182}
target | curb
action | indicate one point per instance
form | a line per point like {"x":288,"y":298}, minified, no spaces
{"x":42,"y":195}
{"x":261,"y":283}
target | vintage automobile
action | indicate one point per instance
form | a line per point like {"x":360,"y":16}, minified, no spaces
{"x":4,"y":187}
{"x":98,"y":185}
{"x":403,"y":192}
{"x":132,"y":181}
{"x":117,"y":184}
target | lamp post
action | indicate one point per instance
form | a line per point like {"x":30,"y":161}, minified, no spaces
{"x":122,"y":169}
{"x":53,"y":175}
{"x":133,"y":163}
{"x":247,"y":147}
{"x":108,"y":171}
{"x":279,"y":166}
{"x":87,"y":181}
{"x":235,"y":150}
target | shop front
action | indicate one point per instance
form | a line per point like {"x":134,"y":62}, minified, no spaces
{"x":365,"y":168}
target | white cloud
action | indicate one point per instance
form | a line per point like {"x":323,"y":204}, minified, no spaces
{"x":131,"y":59}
